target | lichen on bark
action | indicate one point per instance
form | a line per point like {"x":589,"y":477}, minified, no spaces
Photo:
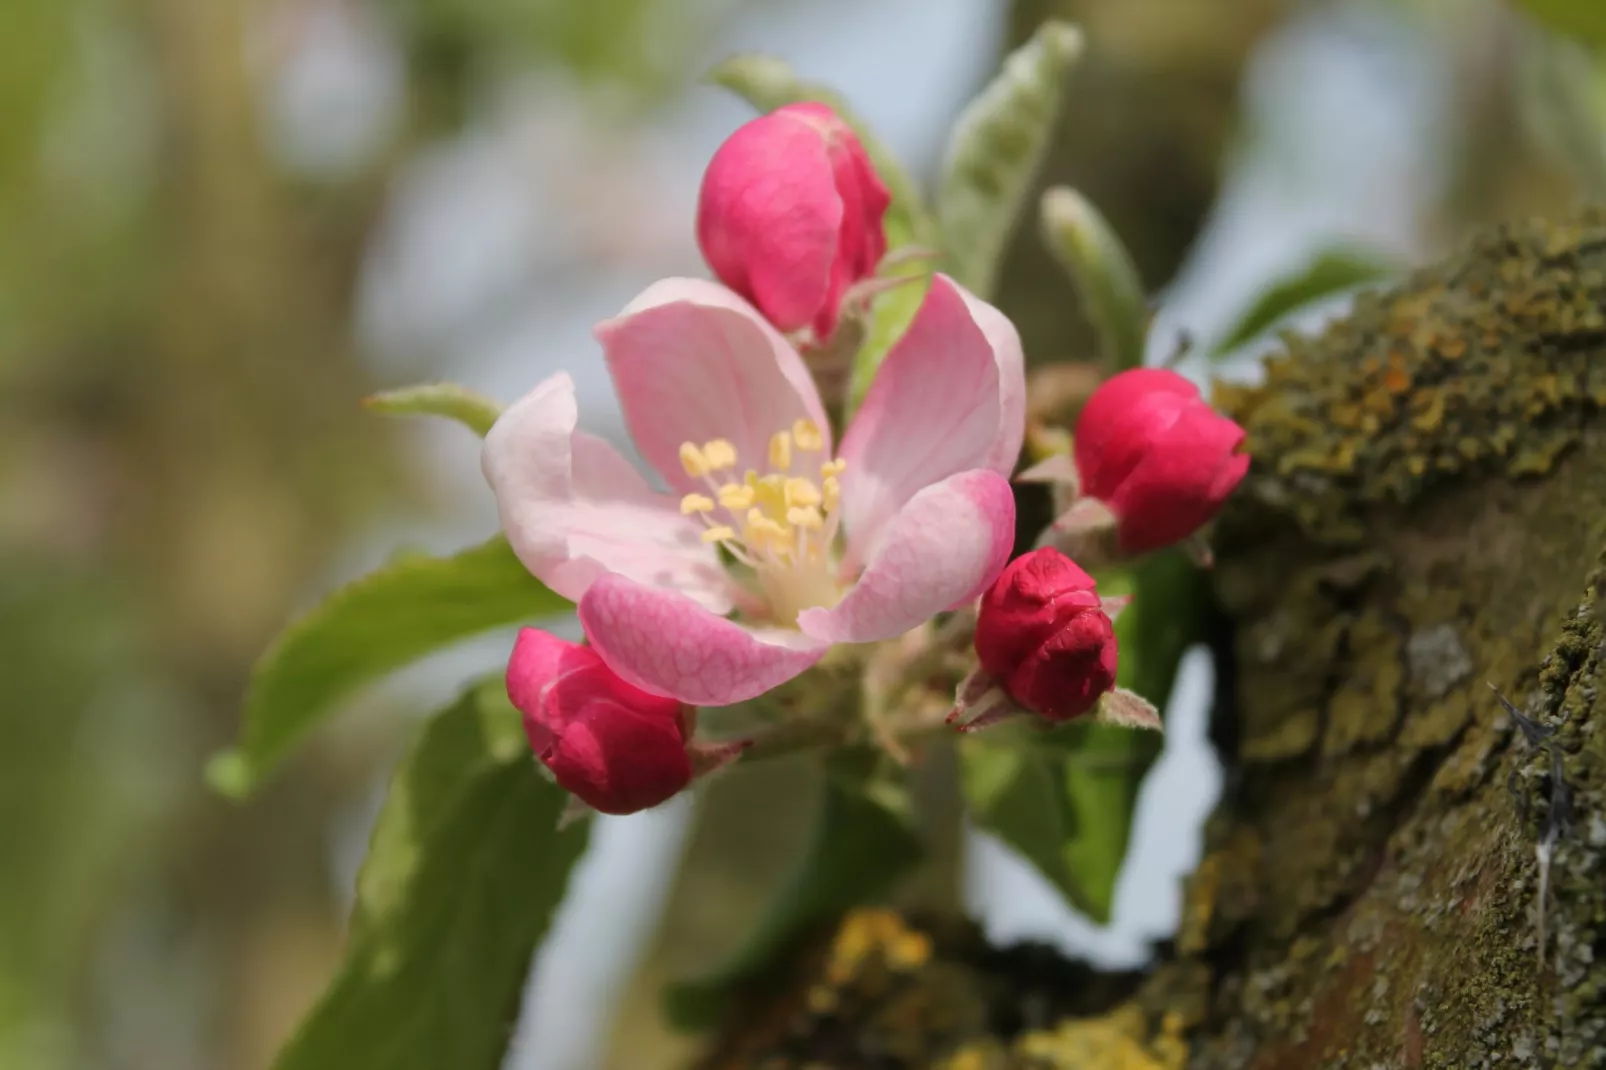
{"x":1426,"y":516}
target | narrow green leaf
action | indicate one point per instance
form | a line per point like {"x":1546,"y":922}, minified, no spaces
{"x":1329,"y":273}
{"x":995,"y":150}
{"x":473,"y":410}
{"x":768,"y":82}
{"x":1581,"y":19}
{"x":409,"y":607}
{"x":863,"y":842}
{"x":1103,"y":272}
{"x":464,"y":871}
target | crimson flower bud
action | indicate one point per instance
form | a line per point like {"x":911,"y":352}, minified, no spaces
{"x":791,"y":215}
{"x":1042,"y":633}
{"x":1157,"y":455}
{"x":614,"y":746}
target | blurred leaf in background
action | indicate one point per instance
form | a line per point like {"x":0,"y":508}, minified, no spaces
{"x":994,"y":151}
{"x":1327,"y":274}
{"x":1581,"y":19}
{"x":1561,"y":88}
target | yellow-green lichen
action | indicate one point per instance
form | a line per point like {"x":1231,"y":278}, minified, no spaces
{"x":1484,"y":364}
{"x":1428,"y":496}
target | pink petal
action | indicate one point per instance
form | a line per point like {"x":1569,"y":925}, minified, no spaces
{"x":692,"y":361}
{"x":537,"y":660}
{"x":942,"y":549}
{"x":949,"y":398}
{"x":1010,"y":357}
{"x":1119,"y":423}
{"x":665,"y":643}
{"x":574,"y":510}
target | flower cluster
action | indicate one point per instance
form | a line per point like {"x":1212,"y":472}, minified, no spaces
{"x":775,"y":539}
{"x":1152,"y":462}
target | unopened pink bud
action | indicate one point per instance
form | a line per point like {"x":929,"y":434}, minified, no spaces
{"x":791,"y":215}
{"x":1042,"y":633}
{"x":612,"y":745}
{"x":1155,"y":452}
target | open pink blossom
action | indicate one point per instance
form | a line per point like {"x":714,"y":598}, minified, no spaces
{"x":771,"y":544}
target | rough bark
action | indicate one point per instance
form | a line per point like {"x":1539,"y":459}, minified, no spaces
{"x":1426,"y":517}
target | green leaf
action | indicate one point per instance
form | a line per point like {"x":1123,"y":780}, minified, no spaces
{"x":1103,"y":272}
{"x":409,"y":607}
{"x":995,"y":150}
{"x":1166,"y":617}
{"x":1331,"y":272}
{"x":1065,"y":798}
{"x":1023,"y":790}
{"x":474,"y":411}
{"x":768,"y":82}
{"x":863,"y":842}
{"x":1582,"y":19}
{"x":464,"y":871}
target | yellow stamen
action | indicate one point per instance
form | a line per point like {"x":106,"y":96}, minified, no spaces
{"x":764,"y":530}
{"x":781,"y":450}
{"x":801,"y":492}
{"x":832,"y":468}
{"x":719,"y":533}
{"x":696,"y":503}
{"x":758,"y":521}
{"x":832,"y":494}
{"x":735,"y":497}
{"x":720,"y":454}
{"x":806,"y":435}
{"x":807,"y":518}
{"x":770,"y":492}
{"x":692,"y":460}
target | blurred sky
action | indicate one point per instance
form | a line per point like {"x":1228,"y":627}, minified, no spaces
{"x":499,"y":253}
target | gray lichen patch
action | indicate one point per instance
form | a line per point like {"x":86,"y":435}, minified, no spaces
{"x":1437,"y":660}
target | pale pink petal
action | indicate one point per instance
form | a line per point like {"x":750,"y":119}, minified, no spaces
{"x":665,"y":643}
{"x":1004,"y":340}
{"x":949,"y":398}
{"x":574,"y":510}
{"x":692,"y":361}
{"x":942,"y":549}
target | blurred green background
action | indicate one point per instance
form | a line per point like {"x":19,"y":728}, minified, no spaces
{"x":223,"y":222}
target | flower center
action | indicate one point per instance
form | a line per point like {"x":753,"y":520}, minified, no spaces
{"x":779,"y":526}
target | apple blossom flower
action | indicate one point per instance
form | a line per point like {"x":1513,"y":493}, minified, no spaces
{"x":791,"y":215}
{"x":773,"y":543}
{"x":613,"y":746}
{"x":1155,"y":457}
{"x":1046,"y":645}
{"x":1043,"y":632}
